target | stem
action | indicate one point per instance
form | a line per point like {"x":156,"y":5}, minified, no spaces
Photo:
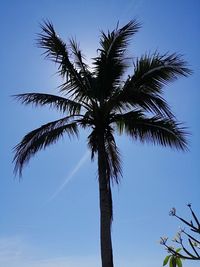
{"x":105,"y":198}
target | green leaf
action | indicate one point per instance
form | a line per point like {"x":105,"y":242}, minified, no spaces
{"x":166,"y":260}
{"x":178,"y":262}
{"x":178,"y":250}
{"x":172,"y":262}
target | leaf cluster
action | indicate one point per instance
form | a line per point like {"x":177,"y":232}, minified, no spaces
{"x":101,"y":99}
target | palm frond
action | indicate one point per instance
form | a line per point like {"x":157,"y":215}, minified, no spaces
{"x":60,"y":103}
{"x":83,"y":68}
{"x":41,"y":138}
{"x":55,"y":48}
{"x":114,"y":44}
{"x":114,"y":170}
{"x":79,"y":57}
{"x":156,"y":130}
{"x":57,"y":51}
{"x":86,"y":120}
{"x":152,"y":72}
{"x":138,"y":99}
{"x":144,"y":88}
{"x":112,"y":154}
{"x":153,"y":103}
{"x":93,"y":143}
{"x":112,"y":62}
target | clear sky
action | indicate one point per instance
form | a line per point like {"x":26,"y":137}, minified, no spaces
{"x":51,"y":217}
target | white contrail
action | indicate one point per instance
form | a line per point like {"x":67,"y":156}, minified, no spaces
{"x":71,"y":175}
{"x":133,"y":5}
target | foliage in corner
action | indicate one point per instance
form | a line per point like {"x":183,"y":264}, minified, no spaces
{"x":173,"y":260}
{"x":189,"y":250}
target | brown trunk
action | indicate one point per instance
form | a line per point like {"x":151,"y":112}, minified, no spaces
{"x":105,"y":199}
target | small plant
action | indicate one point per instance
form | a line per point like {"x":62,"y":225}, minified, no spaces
{"x":173,"y":260}
{"x":189,"y":250}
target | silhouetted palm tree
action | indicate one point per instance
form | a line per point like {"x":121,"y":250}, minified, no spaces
{"x":101,"y":99}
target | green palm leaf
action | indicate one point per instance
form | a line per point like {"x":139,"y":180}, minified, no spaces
{"x":56,"y":50}
{"x":60,"y":103}
{"x":150,"y":102}
{"x":113,"y":157}
{"x":157,"y":130}
{"x":83,"y":69}
{"x":41,"y":138}
{"x":112,"y":153}
{"x":111,"y":63}
{"x":144,"y":88}
{"x":151,"y":72}
{"x":133,"y":98}
{"x":81,"y":66}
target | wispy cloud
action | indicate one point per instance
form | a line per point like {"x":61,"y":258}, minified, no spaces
{"x":16,"y":252}
{"x":77,"y":167}
{"x":10,"y":248}
{"x":66,"y":262}
{"x":133,"y":6}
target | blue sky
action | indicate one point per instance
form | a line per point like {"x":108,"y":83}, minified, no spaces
{"x":51,"y":217}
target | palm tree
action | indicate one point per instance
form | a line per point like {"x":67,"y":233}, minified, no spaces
{"x":101,"y":99}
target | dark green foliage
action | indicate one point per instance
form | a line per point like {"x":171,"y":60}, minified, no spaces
{"x":60,"y":103}
{"x":173,"y":260}
{"x":100,"y":100}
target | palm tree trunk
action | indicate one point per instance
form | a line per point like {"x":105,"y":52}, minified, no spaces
{"x":105,"y":199}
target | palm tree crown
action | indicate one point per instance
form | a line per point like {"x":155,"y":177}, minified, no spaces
{"x":101,"y":99}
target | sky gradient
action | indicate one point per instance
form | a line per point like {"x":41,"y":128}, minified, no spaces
{"x":50,"y":218}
